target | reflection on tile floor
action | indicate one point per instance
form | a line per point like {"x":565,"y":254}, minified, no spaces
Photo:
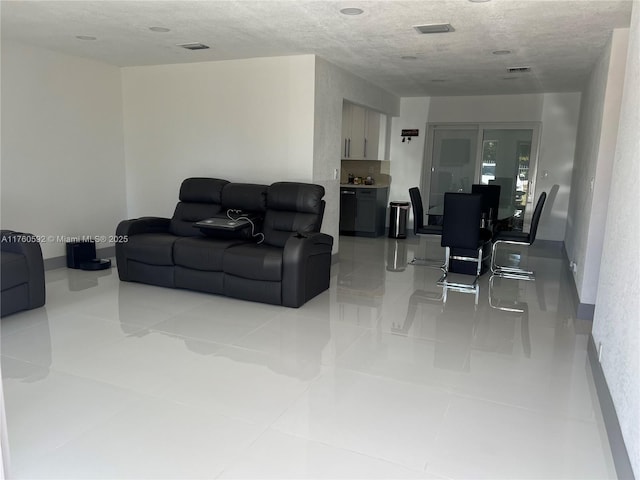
{"x":382,"y":376}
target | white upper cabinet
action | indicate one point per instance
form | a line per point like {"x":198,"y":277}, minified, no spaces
{"x":360,"y":133}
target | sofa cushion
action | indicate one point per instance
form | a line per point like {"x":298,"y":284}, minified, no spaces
{"x":200,"y":198}
{"x":294,"y":196}
{"x":202,"y":190}
{"x":14,"y":270}
{"x":202,"y":253}
{"x":186,"y":214}
{"x":248,"y":197}
{"x":292,"y":207}
{"x":151,"y":248}
{"x":254,"y":261}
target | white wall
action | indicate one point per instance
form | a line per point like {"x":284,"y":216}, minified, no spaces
{"x":333,"y":85}
{"x":617,"y":319}
{"x":406,"y":158}
{"x":62,"y":146}
{"x":558,"y":113}
{"x":241,"y":120}
{"x":595,"y":148}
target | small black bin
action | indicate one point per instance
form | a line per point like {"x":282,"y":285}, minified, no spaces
{"x":398,"y":212}
{"x":79,"y":252}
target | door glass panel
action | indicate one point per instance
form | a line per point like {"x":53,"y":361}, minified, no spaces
{"x":453,"y":164}
{"x":505,"y":161}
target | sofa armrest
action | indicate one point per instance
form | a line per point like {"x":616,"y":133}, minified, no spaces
{"x":27,"y":244}
{"x":143,"y":225}
{"x":306,"y":263}
{"x":130,"y":228}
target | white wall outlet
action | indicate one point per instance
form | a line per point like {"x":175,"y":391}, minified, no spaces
{"x":574,"y":267}
{"x":591,"y":184}
{"x":335,"y":173}
{"x":600,"y":352}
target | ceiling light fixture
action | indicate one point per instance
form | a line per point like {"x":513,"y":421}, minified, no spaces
{"x":409,"y":57}
{"x":193,"y":46}
{"x":434,"y":28}
{"x":85,"y":37}
{"x":519,"y":69}
{"x":351,"y":11}
{"x":160,"y":29}
{"x":501,"y":52}
{"x":479,"y":1}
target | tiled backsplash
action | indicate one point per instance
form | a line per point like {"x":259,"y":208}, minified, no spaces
{"x":377,"y":169}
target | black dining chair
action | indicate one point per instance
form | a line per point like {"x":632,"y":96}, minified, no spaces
{"x":462,"y":237}
{"x":490,"y":200}
{"x":419,"y":228}
{"x":517,"y":238}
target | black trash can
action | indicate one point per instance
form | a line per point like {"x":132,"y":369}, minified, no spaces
{"x":398,"y":212}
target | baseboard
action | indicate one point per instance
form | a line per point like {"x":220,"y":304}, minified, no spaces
{"x":548,"y":245}
{"x":609,"y":415}
{"x":61,"y":262}
{"x":584,"y":311}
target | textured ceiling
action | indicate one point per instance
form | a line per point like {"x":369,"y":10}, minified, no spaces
{"x":560,"y":40}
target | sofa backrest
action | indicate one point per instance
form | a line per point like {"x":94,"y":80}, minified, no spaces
{"x":200,"y":198}
{"x":248,"y":197}
{"x":292,"y":207}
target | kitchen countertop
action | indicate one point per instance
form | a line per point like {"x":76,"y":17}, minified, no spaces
{"x":351,"y":185}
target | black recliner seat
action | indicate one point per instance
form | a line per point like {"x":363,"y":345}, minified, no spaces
{"x":148,"y":255}
{"x":289,"y":266}
{"x":22,"y":273}
{"x":293,"y":262}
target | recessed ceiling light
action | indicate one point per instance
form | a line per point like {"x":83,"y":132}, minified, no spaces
{"x":85,"y":37}
{"x":409,"y":57}
{"x":160,"y":29}
{"x":479,"y":1}
{"x":351,"y":11}
{"x":509,"y":78}
{"x":434,"y":28}
{"x":501,"y":52}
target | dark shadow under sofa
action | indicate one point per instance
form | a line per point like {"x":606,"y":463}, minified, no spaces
{"x":285,"y":260}
{"x":22,"y":274}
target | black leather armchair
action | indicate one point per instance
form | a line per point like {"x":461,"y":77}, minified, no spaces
{"x":22,"y":277}
{"x":287,"y":262}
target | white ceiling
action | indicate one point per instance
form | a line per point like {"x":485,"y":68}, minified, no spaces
{"x":559,"y":39}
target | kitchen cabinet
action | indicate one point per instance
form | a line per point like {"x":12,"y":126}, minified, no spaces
{"x":363,"y":210}
{"x":360,"y":133}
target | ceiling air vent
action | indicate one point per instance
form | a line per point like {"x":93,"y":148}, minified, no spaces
{"x":193,"y":46}
{"x":434,"y":28}
{"x":519,"y":69}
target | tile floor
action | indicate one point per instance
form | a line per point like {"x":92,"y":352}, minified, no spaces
{"x":379,"y":377}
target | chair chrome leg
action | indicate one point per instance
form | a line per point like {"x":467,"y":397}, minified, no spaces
{"x":425,"y":262}
{"x":443,"y":282}
{"x":509,"y":272}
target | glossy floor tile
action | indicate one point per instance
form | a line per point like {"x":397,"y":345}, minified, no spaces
{"x":385,"y":375}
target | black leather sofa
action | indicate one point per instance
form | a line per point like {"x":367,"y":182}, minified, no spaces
{"x":284,"y":261}
{"x":22,"y":274}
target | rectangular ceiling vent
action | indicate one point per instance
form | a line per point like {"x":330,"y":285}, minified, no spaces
{"x":193,"y":46}
{"x":519,"y":69}
{"x":434,"y":28}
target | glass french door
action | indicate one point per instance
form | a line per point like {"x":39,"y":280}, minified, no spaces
{"x":457,"y":156}
{"x":453,"y":165}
